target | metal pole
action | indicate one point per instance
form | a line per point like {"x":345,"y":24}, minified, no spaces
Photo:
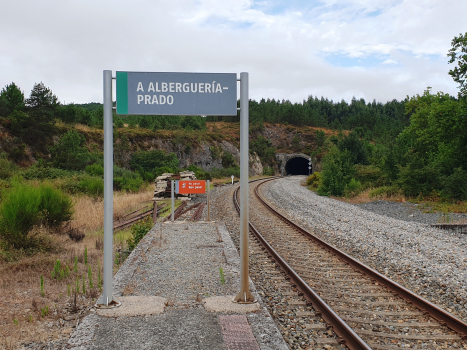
{"x":209,"y":203}
{"x":107,"y":296}
{"x":154,"y":213}
{"x":244,"y":296}
{"x":173,"y":200}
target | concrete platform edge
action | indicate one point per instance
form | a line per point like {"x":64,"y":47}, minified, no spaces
{"x":262,"y":324}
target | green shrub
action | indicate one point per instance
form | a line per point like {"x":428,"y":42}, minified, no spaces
{"x":55,"y":206}
{"x":384,"y":191}
{"x":225,"y":172}
{"x":7,"y":168}
{"x":313,"y":180}
{"x":95,"y":170}
{"x":138,"y":231}
{"x":268,"y":171}
{"x":369,"y":175}
{"x":148,"y":160}
{"x":19,"y":212}
{"x":45,"y":173}
{"x":455,"y":185}
{"x":158,"y":171}
{"x":353,"y":188}
{"x":336,"y":174}
{"x":228,"y":160}
{"x":24,"y":206}
{"x":199,"y":173}
{"x":92,"y":186}
{"x":416,"y":179}
{"x":70,"y":152}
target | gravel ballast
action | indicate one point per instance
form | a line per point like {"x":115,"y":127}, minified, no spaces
{"x":428,"y":261}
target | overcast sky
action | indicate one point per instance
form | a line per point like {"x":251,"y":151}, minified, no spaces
{"x":371,"y":49}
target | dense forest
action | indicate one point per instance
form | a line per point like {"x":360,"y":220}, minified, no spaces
{"x":417,"y":146}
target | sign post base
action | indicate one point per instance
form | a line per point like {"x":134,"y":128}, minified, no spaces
{"x":244,"y":298}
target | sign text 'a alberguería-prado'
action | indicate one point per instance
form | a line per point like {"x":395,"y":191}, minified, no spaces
{"x":176,"y":93}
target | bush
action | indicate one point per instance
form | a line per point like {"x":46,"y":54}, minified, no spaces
{"x":455,"y":185}
{"x":148,"y":160}
{"x":225,"y":172}
{"x":268,"y":171}
{"x":228,"y":160}
{"x":337,"y":171}
{"x":370,"y":175}
{"x":95,"y":170}
{"x":70,"y":152}
{"x":55,"y":206}
{"x":199,"y":173}
{"x":138,"y":231}
{"x":384,"y":191}
{"x":92,"y":186}
{"x":45,"y":173}
{"x":25,"y":206}
{"x":313,"y":180}
{"x":126,"y":180}
{"x":7,"y":168}
{"x":353,"y":188}
{"x":416,"y":179}
{"x":19,"y":212}
{"x":158,"y":171}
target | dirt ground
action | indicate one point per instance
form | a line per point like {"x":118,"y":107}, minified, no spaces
{"x":35,"y":317}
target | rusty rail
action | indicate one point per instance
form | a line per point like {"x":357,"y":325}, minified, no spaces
{"x":424,"y":305}
{"x":350,"y":338}
{"x":176,"y":212}
{"x":198,"y":213}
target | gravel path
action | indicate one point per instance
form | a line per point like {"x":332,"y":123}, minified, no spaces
{"x":431,"y":262}
{"x":407,"y":212}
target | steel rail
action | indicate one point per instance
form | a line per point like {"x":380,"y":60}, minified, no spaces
{"x":342,"y":329}
{"x":198,"y":212}
{"x":136,"y":218}
{"x":176,"y":212}
{"x":444,"y":317}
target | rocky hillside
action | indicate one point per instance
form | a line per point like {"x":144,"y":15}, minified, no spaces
{"x":216,"y":147}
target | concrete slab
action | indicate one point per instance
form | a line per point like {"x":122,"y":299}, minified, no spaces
{"x":173,"y":298}
{"x":225,"y":304}
{"x":237,"y":333}
{"x":142,"y":305}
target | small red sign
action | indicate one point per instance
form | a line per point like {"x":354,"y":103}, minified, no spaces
{"x":191,"y":186}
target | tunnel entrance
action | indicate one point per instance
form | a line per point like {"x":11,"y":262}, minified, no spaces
{"x":297,"y":166}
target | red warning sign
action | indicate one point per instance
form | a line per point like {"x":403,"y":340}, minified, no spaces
{"x":190,"y":186}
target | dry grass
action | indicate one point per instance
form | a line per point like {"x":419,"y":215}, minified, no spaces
{"x":90,"y":212}
{"x":363,"y":197}
{"x":21,"y":302}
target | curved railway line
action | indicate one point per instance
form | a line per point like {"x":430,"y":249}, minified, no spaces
{"x":364,"y":308}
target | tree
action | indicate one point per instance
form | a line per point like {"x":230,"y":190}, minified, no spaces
{"x":458,"y":53}
{"x":11,"y":99}
{"x":42,"y":103}
{"x":70,"y":152}
{"x":337,"y":171}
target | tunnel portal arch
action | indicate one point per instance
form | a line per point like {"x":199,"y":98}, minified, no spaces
{"x":294,"y":164}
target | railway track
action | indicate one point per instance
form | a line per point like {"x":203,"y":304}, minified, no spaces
{"x":366,"y":310}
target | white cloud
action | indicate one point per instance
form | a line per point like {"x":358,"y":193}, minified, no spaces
{"x":285,"y":46}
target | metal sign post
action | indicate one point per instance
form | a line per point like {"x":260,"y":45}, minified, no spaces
{"x":173,"y":199}
{"x":209,"y":203}
{"x":141,"y":93}
{"x":107,"y":299}
{"x":244,"y":296}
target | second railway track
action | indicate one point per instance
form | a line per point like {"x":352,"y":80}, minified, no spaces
{"x":379,"y":317}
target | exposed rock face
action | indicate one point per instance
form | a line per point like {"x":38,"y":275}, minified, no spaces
{"x":256,"y":168}
{"x":201,"y":156}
